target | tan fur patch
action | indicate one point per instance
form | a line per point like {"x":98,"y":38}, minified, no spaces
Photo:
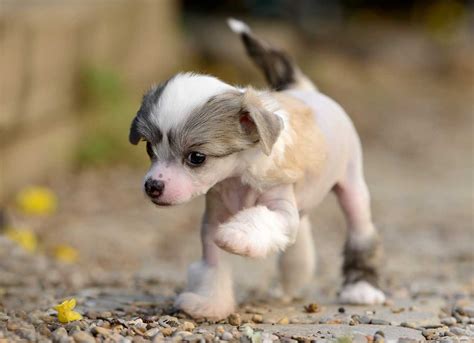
{"x":306,"y":154}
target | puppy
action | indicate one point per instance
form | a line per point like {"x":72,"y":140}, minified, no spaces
{"x":263,"y":159}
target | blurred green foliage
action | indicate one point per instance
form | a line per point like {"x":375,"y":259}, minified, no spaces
{"x":107,"y":113}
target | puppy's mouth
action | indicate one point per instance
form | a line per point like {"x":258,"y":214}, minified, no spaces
{"x":160,"y":203}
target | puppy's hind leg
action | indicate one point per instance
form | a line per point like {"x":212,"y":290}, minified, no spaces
{"x":363,"y":249}
{"x":298,"y":262}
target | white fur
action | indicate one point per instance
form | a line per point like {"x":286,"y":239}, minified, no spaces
{"x":238,"y":26}
{"x":361,"y":293}
{"x":298,"y":262}
{"x":209,"y":293}
{"x":183,"y":94}
{"x":253,"y":232}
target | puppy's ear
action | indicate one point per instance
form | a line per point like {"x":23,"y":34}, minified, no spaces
{"x":134,"y":135}
{"x":261,"y":124}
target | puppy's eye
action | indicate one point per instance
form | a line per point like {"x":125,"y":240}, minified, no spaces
{"x":149,"y":150}
{"x":195,"y":159}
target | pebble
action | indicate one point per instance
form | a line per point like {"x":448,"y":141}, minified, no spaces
{"x":364,"y":320}
{"x":59,"y":334}
{"x":227,"y":336}
{"x":449,"y":321}
{"x":152,"y":332}
{"x":430,"y":333}
{"x":257,"y":318}
{"x":312,"y":308}
{"x":98,"y":330}
{"x":188,"y":326}
{"x":458,"y":331}
{"x":182,"y":334}
{"x":446,"y":340}
{"x":409,"y":325}
{"x":284,"y":321}
{"x":167,"y":331}
{"x":83,"y":337}
{"x":169,"y":321}
{"x":466,"y":311}
{"x":379,"y":337}
{"x":375,"y":321}
{"x":234,"y":319}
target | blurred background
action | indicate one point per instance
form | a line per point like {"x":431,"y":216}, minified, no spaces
{"x":72,"y":74}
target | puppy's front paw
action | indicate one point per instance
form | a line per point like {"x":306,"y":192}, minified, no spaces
{"x":361,"y":293}
{"x":254,"y":232}
{"x":198,"y":306}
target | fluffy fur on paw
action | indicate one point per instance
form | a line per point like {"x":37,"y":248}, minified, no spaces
{"x":209,"y":293}
{"x":253,"y":232}
{"x":361,"y":293}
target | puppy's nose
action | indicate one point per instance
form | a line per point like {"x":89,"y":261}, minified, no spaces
{"x":154,"y":188}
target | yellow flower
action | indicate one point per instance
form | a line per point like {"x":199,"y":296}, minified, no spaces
{"x":24,"y":238}
{"x":66,"y":253}
{"x":66,"y":313}
{"x":37,"y":201}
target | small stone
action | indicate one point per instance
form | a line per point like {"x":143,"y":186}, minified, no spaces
{"x":375,"y":321}
{"x":92,"y":314}
{"x":257,"y":318}
{"x":379,"y":337}
{"x":397,"y":309}
{"x":312,"y":308}
{"x":458,"y":331}
{"x":409,"y":325}
{"x":227,"y":336}
{"x":12,"y":325}
{"x":98,"y":330}
{"x":220,"y":330}
{"x":105,"y":314}
{"x":27,"y":333}
{"x":169,"y":321}
{"x":449,"y":321}
{"x":59,"y":334}
{"x":364,"y":320}
{"x":467,"y":311}
{"x":188,"y":326}
{"x":152,"y":332}
{"x":182,"y":334}
{"x":284,"y":321}
{"x":83,"y":337}
{"x":3,"y":317}
{"x":167,"y":331}
{"x":234,"y":319}
{"x":341,"y":310}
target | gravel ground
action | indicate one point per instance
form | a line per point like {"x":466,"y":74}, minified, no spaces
{"x":417,"y":135}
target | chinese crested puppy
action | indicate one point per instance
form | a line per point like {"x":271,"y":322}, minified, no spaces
{"x":263,"y":159}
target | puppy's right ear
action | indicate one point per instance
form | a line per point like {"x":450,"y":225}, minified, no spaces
{"x":134,"y":135}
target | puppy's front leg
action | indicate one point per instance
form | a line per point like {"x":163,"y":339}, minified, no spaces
{"x":209,"y":293}
{"x":267,"y":227}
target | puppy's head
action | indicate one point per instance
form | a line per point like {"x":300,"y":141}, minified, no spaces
{"x":196,"y":130}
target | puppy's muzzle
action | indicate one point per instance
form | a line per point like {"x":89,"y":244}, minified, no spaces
{"x":154,"y":188}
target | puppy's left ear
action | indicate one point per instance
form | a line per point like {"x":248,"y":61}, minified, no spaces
{"x":134,"y":135}
{"x":263,"y":125}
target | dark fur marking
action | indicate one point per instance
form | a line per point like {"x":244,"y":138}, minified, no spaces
{"x":362,"y":264}
{"x":142,"y":127}
{"x":277,"y":66}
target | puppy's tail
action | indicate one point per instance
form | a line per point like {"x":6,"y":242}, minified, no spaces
{"x":279,"y":69}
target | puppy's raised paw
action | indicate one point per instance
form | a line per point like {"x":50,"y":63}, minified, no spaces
{"x":361,"y":293}
{"x":254,"y":232}
{"x":198,"y":306}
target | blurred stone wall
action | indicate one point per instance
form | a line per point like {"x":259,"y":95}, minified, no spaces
{"x":44,"y":47}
